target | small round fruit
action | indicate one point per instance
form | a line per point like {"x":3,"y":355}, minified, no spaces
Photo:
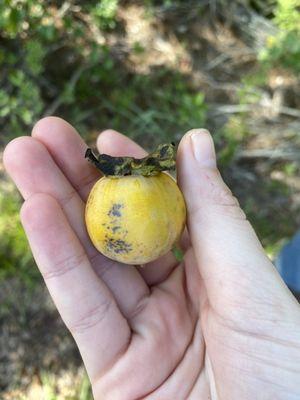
{"x":135,"y":219}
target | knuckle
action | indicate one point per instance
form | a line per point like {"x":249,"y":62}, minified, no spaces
{"x":64,"y":266}
{"x":86,"y":181}
{"x":139,"y":308}
{"x":229,"y":205}
{"x":214,"y":194}
{"x":91,"y":318}
{"x":64,"y":201}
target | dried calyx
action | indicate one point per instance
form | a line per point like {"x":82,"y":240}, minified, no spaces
{"x":162,"y":159}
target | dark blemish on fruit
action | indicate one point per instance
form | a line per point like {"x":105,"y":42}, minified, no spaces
{"x":118,"y":246}
{"x":115,"y":228}
{"x":115,"y":210}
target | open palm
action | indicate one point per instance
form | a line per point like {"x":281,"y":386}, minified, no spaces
{"x":221,"y":324}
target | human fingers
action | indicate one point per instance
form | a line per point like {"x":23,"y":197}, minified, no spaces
{"x":84,"y":302}
{"x":67,"y":149}
{"x":230,"y":257}
{"x":114,"y":143}
{"x":34,"y":171}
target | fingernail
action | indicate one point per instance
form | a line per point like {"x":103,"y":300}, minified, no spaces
{"x":203,"y":148}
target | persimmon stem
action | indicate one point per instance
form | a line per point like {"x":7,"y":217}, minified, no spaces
{"x":162,"y":159}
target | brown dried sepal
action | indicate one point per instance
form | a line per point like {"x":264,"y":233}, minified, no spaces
{"x":162,"y":159}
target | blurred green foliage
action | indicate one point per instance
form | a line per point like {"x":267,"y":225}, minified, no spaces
{"x":49,"y":386}
{"x":283,"y":49}
{"x":81,"y":390}
{"x":15,"y":256}
{"x":39,"y":38}
{"x":32,"y":33}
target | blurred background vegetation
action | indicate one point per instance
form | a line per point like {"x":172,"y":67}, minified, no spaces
{"x":152,"y":70}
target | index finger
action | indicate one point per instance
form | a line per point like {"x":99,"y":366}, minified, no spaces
{"x":67,"y":149}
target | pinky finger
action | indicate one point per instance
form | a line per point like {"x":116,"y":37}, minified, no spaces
{"x":84,"y":302}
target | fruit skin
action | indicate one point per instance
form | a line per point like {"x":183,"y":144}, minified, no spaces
{"x":135,"y":219}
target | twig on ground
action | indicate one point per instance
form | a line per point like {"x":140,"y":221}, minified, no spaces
{"x":231,"y":108}
{"x":241,"y":108}
{"x":274,"y":154}
{"x":71,"y":84}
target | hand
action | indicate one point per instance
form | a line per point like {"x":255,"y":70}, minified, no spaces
{"x":219,"y":325}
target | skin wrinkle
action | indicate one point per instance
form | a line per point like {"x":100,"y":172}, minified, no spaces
{"x":91,"y":318}
{"x":220,"y":196}
{"x":243,"y":333}
{"x":188,"y":348}
{"x":177,"y":365}
{"x":106,"y":267}
{"x":231,"y":211}
{"x":189,"y":303}
{"x":166,"y":274}
{"x":96,"y":380}
{"x":232,"y":325}
{"x":265,"y":360}
{"x":194,"y":395}
{"x":264,"y":303}
{"x":256,"y":377}
{"x":180,"y":360}
{"x":190,"y":393}
{"x":96,"y":258}
{"x":192,"y":308}
{"x":268,"y":338}
{"x":83,"y":187}
{"x":252,"y":356}
{"x":68,"y":198}
{"x":65,"y":265}
{"x":171,"y":295}
{"x":139,"y":308}
{"x":211,"y":377}
{"x":263,"y":298}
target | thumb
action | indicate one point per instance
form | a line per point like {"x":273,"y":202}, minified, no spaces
{"x":229,"y":256}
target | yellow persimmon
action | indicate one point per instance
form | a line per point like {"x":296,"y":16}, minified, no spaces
{"x":135,"y":219}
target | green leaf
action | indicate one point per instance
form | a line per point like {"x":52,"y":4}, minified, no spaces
{"x":34,"y":56}
{"x":26,"y":116}
{"x":4,"y":111}
{"x":178,"y":254}
{"x":17,"y":77}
